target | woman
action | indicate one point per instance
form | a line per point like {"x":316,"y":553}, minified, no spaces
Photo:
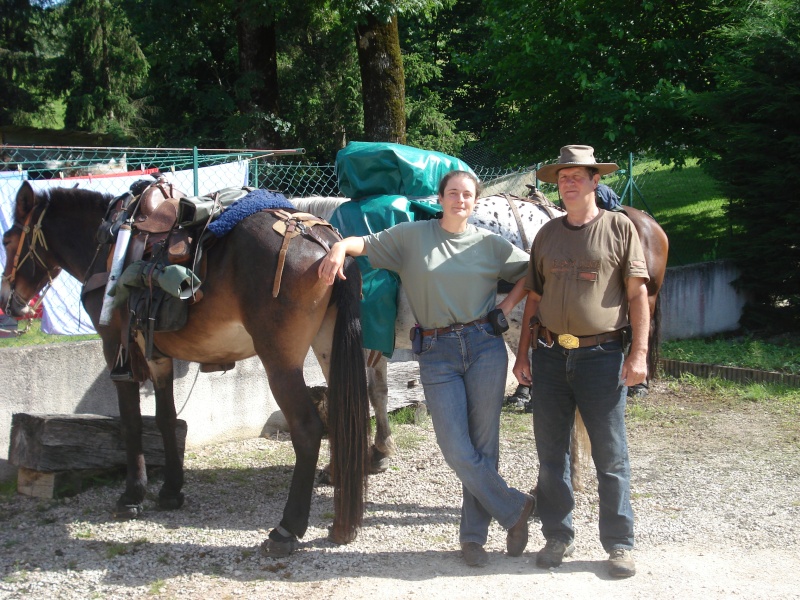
{"x":449,"y":270}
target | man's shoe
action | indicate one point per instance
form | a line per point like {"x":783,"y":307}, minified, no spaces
{"x":474,"y":554}
{"x":517,"y":537}
{"x":620,"y":563}
{"x":553,"y":553}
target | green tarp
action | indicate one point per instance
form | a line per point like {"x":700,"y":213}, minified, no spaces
{"x":390,"y":184}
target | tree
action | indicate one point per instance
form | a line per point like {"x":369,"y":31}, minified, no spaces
{"x":102,"y":68}
{"x":382,"y":78}
{"x":753,"y":133}
{"x":320,"y":82}
{"x":257,"y":89}
{"x":22,"y":64}
{"x":614,"y":74}
{"x":191,"y":48}
{"x":437,"y":88}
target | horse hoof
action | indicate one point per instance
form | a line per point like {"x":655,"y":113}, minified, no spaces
{"x":173,"y":502}
{"x":324,"y":477}
{"x":278,"y":546}
{"x":379,"y":462}
{"x":128,"y":512}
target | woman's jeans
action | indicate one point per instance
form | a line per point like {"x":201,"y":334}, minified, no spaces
{"x":588,"y":378}
{"x":464,"y":374}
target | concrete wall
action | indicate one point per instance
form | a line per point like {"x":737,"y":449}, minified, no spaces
{"x":697,"y":300}
{"x":72,"y":378}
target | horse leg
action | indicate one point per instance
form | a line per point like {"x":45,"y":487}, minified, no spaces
{"x":378,"y":390}
{"x":305,"y":427}
{"x":162,"y":375}
{"x":129,"y":504}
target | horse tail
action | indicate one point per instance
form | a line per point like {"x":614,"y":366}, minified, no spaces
{"x":654,"y":340}
{"x":580,"y":451}
{"x":348,"y":409}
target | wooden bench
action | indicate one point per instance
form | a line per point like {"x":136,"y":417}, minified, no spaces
{"x":58,"y":453}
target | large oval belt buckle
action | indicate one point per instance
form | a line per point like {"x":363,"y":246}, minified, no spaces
{"x":568,"y":341}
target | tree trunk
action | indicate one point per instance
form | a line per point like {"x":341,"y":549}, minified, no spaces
{"x":382,"y":81}
{"x":258,"y":63}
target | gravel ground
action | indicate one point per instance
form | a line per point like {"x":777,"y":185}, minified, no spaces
{"x":716,"y":493}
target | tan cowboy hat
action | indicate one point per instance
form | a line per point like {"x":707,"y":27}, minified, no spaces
{"x":574,"y":156}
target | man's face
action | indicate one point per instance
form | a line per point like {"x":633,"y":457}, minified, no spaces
{"x":576,"y":185}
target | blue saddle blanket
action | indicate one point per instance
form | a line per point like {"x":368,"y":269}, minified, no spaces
{"x":254,"y":202}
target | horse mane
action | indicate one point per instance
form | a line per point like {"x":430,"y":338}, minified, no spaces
{"x":77,"y":198}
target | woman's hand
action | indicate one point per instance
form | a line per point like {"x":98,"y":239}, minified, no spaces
{"x":333,"y":264}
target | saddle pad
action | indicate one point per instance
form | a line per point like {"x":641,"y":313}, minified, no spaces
{"x":254,"y":202}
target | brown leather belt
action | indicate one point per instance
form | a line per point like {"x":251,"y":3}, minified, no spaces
{"x":570,"y":342}
{"x":454,"y":327}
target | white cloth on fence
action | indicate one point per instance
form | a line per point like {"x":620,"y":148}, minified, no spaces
{"x":62,"y":311}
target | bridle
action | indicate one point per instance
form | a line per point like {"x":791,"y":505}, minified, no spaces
{"x":37,"y":240}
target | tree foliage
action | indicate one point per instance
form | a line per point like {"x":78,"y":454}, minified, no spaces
{"x":23,"y":62}
{"x":101,"y":68}
{"x":616,"y":74}
{"x":754,"y":134}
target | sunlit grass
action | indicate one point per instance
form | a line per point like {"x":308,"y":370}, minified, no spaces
{"x":737,"y":352}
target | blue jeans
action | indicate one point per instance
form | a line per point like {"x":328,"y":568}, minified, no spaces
{"x":463,"y":374}
{"x":588,"y":378}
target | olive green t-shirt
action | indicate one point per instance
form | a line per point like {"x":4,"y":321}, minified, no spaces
{"x":448,"y":277}
{"x":580,"y":273}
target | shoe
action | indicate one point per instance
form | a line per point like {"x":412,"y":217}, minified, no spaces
{"x":474,"y":554}
{"x":517,"y":537}
{"x":620,"y":563}
{"x":553,"y":553}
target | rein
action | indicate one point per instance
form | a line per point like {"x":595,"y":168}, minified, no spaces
{"x":37,"y":237}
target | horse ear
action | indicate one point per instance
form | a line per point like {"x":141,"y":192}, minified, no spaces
{"x":26,"y":201}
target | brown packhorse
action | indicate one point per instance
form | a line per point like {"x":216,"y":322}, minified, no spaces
{"x":237,"y":318}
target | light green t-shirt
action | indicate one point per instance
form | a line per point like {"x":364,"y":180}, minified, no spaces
{"x":580,"y":272}
{"x":448,"y":277}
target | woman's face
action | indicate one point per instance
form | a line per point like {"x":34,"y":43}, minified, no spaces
{"x":458,"y":199}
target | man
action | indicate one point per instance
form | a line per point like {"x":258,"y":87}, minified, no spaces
{"x":586,"y":282}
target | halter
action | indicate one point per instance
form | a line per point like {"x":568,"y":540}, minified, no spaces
{"x":37,"y":238}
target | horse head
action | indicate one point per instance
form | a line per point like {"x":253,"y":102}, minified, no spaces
{"x":30,"y":265}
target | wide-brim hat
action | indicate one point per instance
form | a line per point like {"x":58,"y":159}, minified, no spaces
{"x":574,"y":156}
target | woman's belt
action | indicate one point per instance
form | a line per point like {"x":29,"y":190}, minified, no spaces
{"x":454,"y":327}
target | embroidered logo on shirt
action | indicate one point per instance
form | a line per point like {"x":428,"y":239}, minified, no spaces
{"x":584,"y":270}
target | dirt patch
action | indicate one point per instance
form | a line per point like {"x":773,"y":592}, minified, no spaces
{"x":716,"y":495}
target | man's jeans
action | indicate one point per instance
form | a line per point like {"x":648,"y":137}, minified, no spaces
{"x":463,"y":374}
{"x":588,"y":378}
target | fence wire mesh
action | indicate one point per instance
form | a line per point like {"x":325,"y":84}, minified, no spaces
{"x":685,"y":202}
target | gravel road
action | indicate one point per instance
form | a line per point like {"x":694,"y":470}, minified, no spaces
{"x":716,"y":493}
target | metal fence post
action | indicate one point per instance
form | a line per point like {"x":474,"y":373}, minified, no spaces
{"x":195,"y":170}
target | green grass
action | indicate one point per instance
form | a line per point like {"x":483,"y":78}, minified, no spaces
{"x":35,"y":337}
{"x":689,"y":206}
{"x":764,"y":355}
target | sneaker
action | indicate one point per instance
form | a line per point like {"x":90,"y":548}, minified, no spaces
{"x":620,"y":563}
{"x":553,"y":553}
{"x":474,"y":554}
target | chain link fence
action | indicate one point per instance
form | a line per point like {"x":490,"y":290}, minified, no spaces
{"x":685,"y":202}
